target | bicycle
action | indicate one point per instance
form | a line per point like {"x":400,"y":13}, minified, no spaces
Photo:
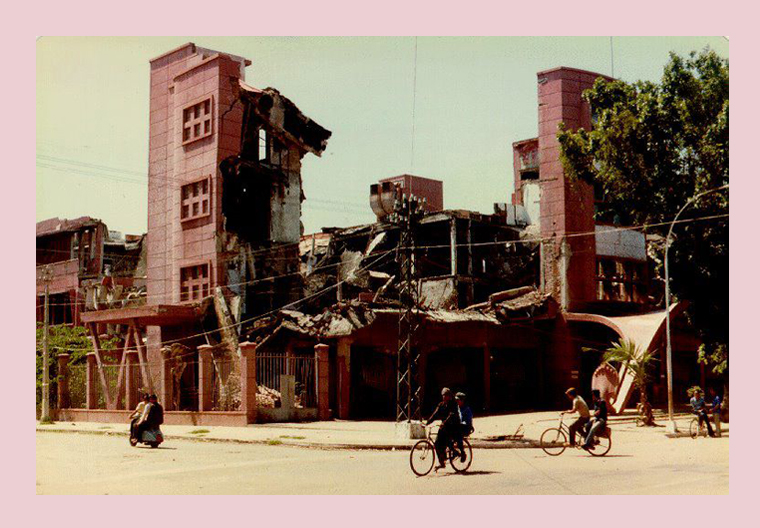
{"x":698,"y":427}
{"x":422,"y":456}
{"x":554,"y":440}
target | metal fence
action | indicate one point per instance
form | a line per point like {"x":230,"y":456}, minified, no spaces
{"x":269,"y":368}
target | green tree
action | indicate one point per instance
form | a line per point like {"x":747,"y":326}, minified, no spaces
{"x":65,"y":339}
{"x":652,"y":148}
{"x":639,"y":364}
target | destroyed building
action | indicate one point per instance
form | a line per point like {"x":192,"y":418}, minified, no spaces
{"x":515,"y":306}
{"x":87,"y":267}
{"x":249,"y":320}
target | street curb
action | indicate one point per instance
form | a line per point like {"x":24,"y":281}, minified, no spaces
{"x":275,"y":442}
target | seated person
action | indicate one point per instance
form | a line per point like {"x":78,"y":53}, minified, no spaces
{"x":465,"y":422}
{"x":151,"y":418}
{"x":598,"y":420}
{"x":135,"y":416}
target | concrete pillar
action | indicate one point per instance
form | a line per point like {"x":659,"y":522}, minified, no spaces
{"x":248,"y":388}
{"x":91,"y":380}
{"x":344,"y":378}
{"x":322,"y":362}
{"x":131,"y":381}
{"x":167,"y":381}
{"x":205,"y":378}
{"x":288,"y":394}
{"x":486,"y":377}
{"x":63,"y":381}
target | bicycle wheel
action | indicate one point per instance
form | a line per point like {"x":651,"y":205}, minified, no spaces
{"x":602,"y":446}
{"x":553,"y":441}
{"x":694,"y":428}
{"x":422,"y":457}
{"x":455,"y":457}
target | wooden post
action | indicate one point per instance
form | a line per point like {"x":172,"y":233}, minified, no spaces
{"x":142,"y":355}
{"x":63,"y":381}
{"x":131,"y":398}
{"x":92,"y":392}
{"x":322,"y":361}
{"x":205,"y":377}
{"x":102,"y":375}
{"x":248,"y":380}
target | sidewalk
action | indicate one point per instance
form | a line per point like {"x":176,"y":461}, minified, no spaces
{"x":491,"y":432}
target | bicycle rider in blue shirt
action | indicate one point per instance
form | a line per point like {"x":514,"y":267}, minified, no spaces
{"x":465,"y":422}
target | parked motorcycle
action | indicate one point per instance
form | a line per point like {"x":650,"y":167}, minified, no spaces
{"x":151,"y":437}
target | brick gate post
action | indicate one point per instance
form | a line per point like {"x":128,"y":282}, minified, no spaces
{"x":205,"y":378}
{"x":248,"y":380}
{"x":92,"y":380}
{"x":322,"y":359}
{"x":63,"y":381}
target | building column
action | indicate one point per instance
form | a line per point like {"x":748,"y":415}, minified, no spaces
{"x":63,"y":381}
{"x":486,"y":377}
{"x":167,"y":380}
{"x":205,"y":378}
{"x":248,"y":388}
{"x":91,"y":380}
{"x":344,"y":378}
{"x":130,"y":380}
{"x":322,"y":363}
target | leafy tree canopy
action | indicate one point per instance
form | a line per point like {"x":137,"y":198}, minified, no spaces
{"x":654,"y":146}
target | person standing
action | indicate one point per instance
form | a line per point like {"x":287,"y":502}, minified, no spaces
{"x":580,"y":407}
{"x":716,"y":408}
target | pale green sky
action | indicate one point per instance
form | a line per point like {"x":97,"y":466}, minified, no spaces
{"x":475,"y":96}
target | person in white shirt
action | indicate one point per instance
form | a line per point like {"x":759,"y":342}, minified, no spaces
{"x":137,"y":415}
{"x":580,"y":407}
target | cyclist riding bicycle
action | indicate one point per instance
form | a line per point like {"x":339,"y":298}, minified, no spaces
{"x":580,"y":407}
{"x":448,"y":413}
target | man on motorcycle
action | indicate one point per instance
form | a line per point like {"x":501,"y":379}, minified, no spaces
{"x":152,"y":417}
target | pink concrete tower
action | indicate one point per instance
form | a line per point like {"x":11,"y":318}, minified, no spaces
{"x":566,"y":206}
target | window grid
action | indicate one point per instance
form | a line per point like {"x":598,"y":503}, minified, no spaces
{"x":195,"y":282}
{"x":196,"y":121}
{"x":195,"y":199}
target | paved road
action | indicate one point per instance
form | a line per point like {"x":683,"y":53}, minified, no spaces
{"x":94,"y":464}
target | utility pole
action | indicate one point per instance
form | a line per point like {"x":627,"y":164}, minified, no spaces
{"x":408,"y":211}
{"x":669,"y":354}
{"x":45,"y":412}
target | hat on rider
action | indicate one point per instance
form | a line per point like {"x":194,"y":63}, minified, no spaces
{"x":446,"y":391}
{"x":461,"y":396}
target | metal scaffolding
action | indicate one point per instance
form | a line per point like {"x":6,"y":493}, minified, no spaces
{"x":408,"y":211}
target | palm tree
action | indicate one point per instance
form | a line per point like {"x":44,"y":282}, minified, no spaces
{"x":627,"y":353}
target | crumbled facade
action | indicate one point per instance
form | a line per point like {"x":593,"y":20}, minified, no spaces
{"x":87,"y":267}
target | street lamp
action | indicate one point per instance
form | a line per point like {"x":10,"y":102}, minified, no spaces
{"x":672,"y":425}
